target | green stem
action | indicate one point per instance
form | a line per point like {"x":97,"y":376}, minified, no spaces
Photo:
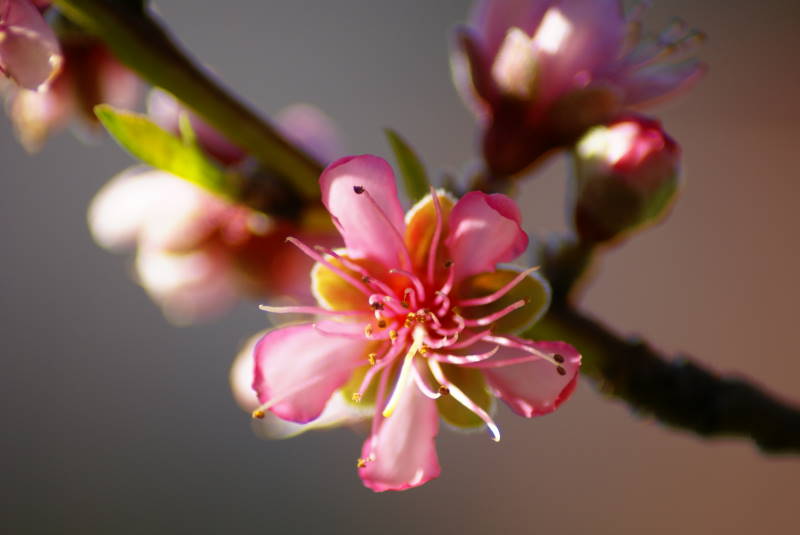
{"x":675,"y":391}
{"x":143,"y":45}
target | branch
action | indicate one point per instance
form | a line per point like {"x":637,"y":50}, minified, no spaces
{"x":143,"y":45}
{"x":678,"y":392}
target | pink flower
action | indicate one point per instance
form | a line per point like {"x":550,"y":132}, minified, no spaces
{"x":626,"y":175}
{"x":29,"y":51}
{"x":197,"y":253}
{"x":415,"y":320}
{"x":540,"y":72}
{"x":90,"y":75}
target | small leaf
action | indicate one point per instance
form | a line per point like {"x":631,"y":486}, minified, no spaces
{"x":155,"y":146}
{"x":412,"y":172}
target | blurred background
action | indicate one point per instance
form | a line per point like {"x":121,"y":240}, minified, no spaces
{"x":117,"y":422}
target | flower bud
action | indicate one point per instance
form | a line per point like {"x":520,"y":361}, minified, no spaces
{"x":626,"y":175}
{"x":539,"y":73}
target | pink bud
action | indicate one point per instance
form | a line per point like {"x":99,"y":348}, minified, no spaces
{"x":626,"y":175}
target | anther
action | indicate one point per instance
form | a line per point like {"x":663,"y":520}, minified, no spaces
{"x":423,"y":349}
{"x":365,"y":279}
{"x":558,"y":358}
{"x":443,"y":390}
{"x":258,"y":414}
{"x":381,"y":323}
{"x":356,"y":397}
{"x":372,"y":357}
{"x":358,"y":189}
{"x":448,"y":263}
{"x":561,"y":370}
{"x":361,"y":462}
{"x":376,"y":305}
{"x":368,"y":330}
{"x":393,"y":335}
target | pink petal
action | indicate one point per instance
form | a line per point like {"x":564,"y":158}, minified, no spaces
{"x":534,"y":388}
{"x":594,"y":36}
{"x":29,"y":50}
{"x":656,"y":81}
{"x":338,"y":410}
{"x":189,"y":287}
{"x":303,"y":367}
{"x":119,"y":86}
{"x":484,"y":230}
{"x":38,"y":114}
{"x":310,"y":128}
{"x":404,"y":448}
{"x":493,"y":18}
{"x":361,"y":195}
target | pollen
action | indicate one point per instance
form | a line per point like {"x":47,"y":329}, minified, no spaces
{"x":393,"y":335}
{"x":356,"y":397}
{"x":423,"y":349}
{"x":258,"y":414}
{"x":372,"y":358}
{"x":361,"y":462}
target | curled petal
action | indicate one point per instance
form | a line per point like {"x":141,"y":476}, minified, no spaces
{"x":361,"y":195}
{"x":484,"y":230}
{"x":536,"y":387}
{"x":402,"y":454}
{"x":298,"y":368}
{"x":29,"y":50}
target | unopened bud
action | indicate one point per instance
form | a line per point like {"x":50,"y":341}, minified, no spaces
{"x":626,"y":175}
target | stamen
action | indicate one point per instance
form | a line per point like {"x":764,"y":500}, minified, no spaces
{"x":405,"y":372}
{"x":519,"y":344}
{"x":308,"y":310}
{"x":437,"y":234}
{"x":462,"y":398}
{"x":409,"y":298}
{"x":261,"y":410}
{"x":414,"y":280}
{"x":406,"y":258}
{"x":319,"y":258}
{"x":491,"y":318}
{"x":448,"y":283}
{"x":465,"y":359}
{"x":423,"y":386}
{"x":366,"y":277}
{"x":387,"y":359}
{"x":494,"y":296}
{"x":471,"y":339}
{"x":444,"y":299}
{"x":439,"y":329}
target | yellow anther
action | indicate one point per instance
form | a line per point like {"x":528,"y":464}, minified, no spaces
{"x":372,"y":358}
{"x":423,"y":349}
{"x":258,"y":414}
{"x":368,"y":331}
{"x":393,"y":335}
{"x":361,"y":462}
{"x":356,"y":397}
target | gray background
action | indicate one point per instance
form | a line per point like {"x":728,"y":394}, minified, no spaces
{"x":116,"y":422}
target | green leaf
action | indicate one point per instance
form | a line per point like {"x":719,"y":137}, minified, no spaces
{"x":155,"y":146}
{"x":412,"y":172}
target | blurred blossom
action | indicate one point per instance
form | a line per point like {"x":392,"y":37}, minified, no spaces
{"x":626,"y":175}
{"x":540,"y":72}
{"x":29,"y":50}
{"x":416,"y":323}
{"x":90,"y":75}
{"x":197,"y":254}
